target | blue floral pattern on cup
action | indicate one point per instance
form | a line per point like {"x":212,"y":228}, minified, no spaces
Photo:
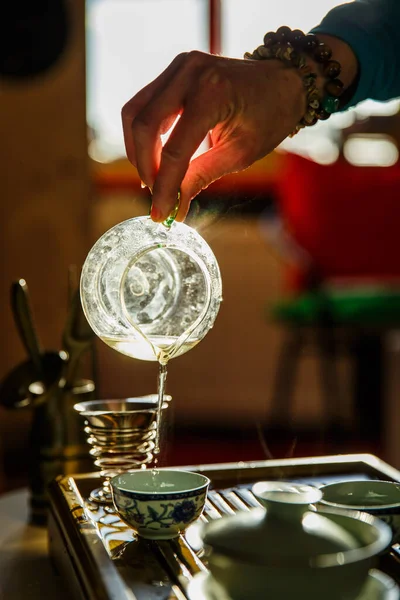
{"x":163,"y":514}
{"x":184,"y":511}
{"x":160,"y":515}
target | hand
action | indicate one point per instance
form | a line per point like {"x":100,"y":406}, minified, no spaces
{"x":248,"y":107}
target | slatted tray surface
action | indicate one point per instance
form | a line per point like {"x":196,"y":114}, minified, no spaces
{"x":102,"y":559}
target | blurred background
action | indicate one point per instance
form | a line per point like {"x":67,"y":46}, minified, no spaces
{"x":303,"y":358}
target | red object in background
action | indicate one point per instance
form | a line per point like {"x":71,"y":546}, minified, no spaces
{"x":347,"y":218}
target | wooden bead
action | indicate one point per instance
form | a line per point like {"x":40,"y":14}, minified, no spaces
{"x":309,"y":42}
{"x":256,"y":55}
{"x":283,"y":33}
{"x":313,"y":95}
{"x":323,"y":115}
{"x":296,"y":36}
{"x":334,"y":88}
{"x":295,"y":131}
{"x":276,"y":49}
{"x":309,"y":80}
{"x":310,"y":120}
{"x":264,"y":52}
{"x":269,"y":38}
{"x":322,"y":53}
{"x":295,"y":59}
{"x":287,"y":52}
{"x":332,"y":69}
{"x":306,"y":70}
{"x":292,"y":48}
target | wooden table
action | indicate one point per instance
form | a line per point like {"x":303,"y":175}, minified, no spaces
{"x":25,"y":569}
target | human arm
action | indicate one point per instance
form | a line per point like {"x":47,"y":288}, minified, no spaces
{"x":370,"y":29}
{"x":248,"y":106}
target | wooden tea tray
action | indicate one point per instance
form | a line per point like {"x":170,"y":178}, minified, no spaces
{"x":100,"y":558}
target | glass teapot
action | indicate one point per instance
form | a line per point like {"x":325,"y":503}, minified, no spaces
{"x":149,"y":290}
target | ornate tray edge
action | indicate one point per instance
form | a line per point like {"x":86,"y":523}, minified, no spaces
{"x":332,"y":462}
{"x":67,"y":508}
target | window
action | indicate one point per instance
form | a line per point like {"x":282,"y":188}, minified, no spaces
{"x":244,"y":23}
{"x":129,"y":42}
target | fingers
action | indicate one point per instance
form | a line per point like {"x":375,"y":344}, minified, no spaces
{"x":189,"y":132}
{"x":159,"y":114}
{"x":154,"y":120}
{"x":140,"y":100}
{"x":206,"y":102}
{"x":195,"y":88}
{"x":228,"y":157}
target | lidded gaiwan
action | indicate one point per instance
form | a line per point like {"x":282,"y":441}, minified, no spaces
{"x":286,"y":549}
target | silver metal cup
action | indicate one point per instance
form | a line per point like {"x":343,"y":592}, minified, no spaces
{"x":122,"y":436}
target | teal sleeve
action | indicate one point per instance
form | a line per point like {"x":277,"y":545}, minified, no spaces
{"x":372,"y":29}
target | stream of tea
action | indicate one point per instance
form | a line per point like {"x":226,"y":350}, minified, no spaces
{"x":161,"y":349}
{"x":153,"y":348}
{"x":162,"y":377}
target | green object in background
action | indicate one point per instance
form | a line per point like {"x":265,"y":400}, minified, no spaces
{"x":353,"y":306}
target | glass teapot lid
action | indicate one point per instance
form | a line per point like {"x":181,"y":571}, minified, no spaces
{"x":150,"y":291}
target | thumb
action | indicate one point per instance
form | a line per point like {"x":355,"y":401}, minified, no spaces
{"x":220,"y":160}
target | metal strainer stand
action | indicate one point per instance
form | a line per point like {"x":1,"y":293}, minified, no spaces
{"x":122,"y":435}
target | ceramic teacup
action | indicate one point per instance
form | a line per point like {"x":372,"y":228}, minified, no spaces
{"x":159,"y":504}
{"x":378,"y":498}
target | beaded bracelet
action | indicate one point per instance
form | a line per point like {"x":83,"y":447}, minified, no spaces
{"x":292,"y":48}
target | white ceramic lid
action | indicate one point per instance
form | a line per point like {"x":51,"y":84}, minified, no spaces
{"x":285,"y":527}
